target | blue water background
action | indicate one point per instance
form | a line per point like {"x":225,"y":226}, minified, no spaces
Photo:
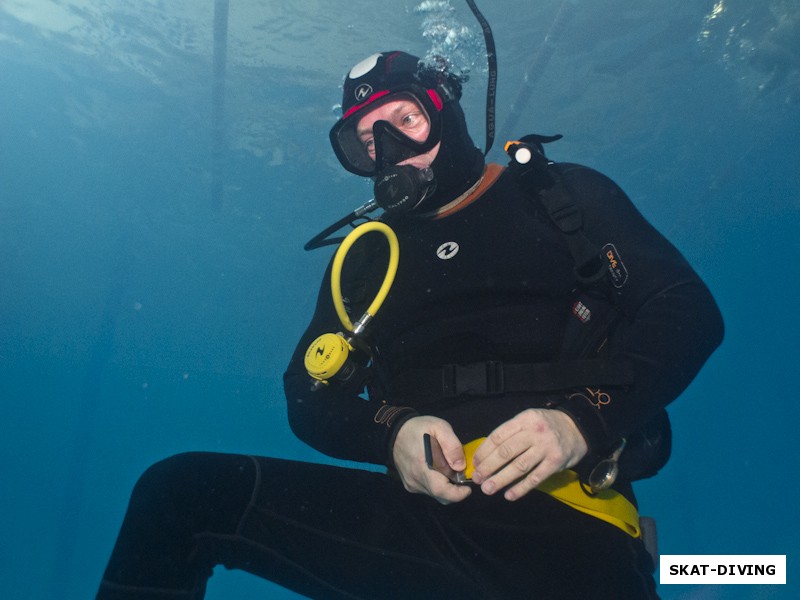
{"x":141,"y":317}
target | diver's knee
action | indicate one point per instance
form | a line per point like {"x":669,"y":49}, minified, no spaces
{"x":162,"y":480}
{"x":213,"y":487}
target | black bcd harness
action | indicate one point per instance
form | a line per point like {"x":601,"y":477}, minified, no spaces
{"x":581,"y":361}
{"x":647,"y":449}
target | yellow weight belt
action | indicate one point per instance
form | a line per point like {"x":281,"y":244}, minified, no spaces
{"x":609,"y":505}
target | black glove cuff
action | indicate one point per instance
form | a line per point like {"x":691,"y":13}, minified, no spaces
{"x":393,"y":417}
{"x":587,"y":415}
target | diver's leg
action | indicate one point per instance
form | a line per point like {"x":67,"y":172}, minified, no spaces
{"x":323,"y":531}
{"x":334,"y":533}
{"x":155,"y":555}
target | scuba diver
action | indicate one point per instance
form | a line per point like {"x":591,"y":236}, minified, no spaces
{"x":512,"y":384}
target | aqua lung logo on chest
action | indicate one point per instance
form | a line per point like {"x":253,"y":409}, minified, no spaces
{"x":447,"y":250}
{"x":363,"y":92}
{"x":616,"y":268}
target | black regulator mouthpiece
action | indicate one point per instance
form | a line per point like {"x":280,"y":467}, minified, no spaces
{"x":400,"y":188}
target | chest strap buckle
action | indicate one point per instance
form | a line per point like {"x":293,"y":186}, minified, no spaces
{"x":479,"y":379}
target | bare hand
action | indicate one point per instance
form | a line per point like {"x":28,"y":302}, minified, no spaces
{"x":409,"y":459}
{"x":526,"y":450}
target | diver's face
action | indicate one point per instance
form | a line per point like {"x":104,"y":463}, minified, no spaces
{"x":408,"y":118}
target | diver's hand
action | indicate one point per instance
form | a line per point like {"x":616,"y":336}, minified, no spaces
{"x":409,"y":459}
{"x":526,"y":450}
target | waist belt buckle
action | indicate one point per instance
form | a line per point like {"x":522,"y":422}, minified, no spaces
{"x":474,"y":379}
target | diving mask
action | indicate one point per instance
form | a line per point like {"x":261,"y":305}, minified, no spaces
{"x":388,"y":145}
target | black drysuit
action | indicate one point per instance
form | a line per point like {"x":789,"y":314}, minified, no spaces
{"x":492,"y":282}
{"x":495,"y":282}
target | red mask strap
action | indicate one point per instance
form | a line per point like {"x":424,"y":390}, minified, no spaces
{"x":370,"y":100}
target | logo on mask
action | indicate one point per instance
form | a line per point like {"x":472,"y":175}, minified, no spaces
{"x":447,"y":250}
{"x":363,"y":92}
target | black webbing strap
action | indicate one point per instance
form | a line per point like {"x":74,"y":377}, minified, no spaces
{"x":492,"y":378}
{"x":567,"y":216}
{"x":543,"y":182}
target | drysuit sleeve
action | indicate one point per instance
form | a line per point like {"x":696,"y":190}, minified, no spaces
{"x":670,"y":322}
{"x":335,"y":420}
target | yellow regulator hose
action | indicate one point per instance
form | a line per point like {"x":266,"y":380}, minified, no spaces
{"x":336,"y":273}
{"x":328,"y":356}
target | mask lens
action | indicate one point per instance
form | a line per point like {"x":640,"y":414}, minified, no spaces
{"x":391,"y":144}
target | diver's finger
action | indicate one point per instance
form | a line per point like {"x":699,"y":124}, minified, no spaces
{"x":446,"y":492}
{"x":512,"y":471}
{"x":507,"y":452}
{"x":536,"y":476}
{"x":452,"y":449}
{"x":496,"y":439}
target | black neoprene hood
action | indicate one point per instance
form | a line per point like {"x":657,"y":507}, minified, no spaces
{"x":458,"y":164}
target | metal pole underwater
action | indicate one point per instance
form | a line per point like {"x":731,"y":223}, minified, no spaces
{"x":78,"y":456}
{"x":536,"y":67}
{"x":218,"y":102}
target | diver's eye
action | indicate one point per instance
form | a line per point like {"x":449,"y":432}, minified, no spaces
{"x":369,"y":146}
{"x":412,"y":119}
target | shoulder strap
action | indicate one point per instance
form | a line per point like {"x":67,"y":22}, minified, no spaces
{"x":649,"y":447}
{"x":542,"y":181}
